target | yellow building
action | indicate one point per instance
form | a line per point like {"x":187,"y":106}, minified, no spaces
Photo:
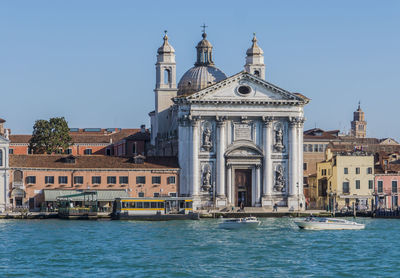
{"x":344,"y":179}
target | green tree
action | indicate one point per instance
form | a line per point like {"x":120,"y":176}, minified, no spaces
{"x":50,"y":136}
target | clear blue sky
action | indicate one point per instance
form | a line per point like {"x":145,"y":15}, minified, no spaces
{"x":93,"y":61}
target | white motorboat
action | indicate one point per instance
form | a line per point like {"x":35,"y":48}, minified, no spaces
{"x":236,"y":223}
{"x":315,"y":223}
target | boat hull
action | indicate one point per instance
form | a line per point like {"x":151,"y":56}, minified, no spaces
{"x":231,"y":226}
{"x":329,"y":226}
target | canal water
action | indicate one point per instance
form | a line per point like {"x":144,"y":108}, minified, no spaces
{"x":57,"y":248}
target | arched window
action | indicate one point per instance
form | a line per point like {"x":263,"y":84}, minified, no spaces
{"x":1,"y":157}
{"x":167,"y":76}
{"x":18,"y":175}
{"x":257,"y":73}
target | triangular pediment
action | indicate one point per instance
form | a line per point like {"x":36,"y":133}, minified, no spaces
{"x":244,"y":88}
{"x":388,"y":141}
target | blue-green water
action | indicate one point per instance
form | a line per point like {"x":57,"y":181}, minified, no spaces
{"x":50,"y":248}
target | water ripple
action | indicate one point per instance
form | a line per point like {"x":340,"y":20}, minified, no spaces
{"x":194,"y":249}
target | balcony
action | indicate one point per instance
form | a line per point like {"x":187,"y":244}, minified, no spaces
{"x":18,"y":185}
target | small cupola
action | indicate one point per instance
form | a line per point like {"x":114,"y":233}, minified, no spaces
{"x":204,"y":52}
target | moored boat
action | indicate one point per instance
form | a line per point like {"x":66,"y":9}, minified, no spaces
{"x":154,"y":209}
{"x":315,"y":223}
{"x":236,"y":223}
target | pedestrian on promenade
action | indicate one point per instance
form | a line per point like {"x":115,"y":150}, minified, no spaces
{"x":275,"y":207}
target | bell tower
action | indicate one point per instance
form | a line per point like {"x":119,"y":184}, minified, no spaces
{"x":359,"y":125}
{"x":255,"y":59}
{"x":165,"y":87}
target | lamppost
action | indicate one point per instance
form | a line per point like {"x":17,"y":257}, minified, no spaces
{"x":298,"y":196}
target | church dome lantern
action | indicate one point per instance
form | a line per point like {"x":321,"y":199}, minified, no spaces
{"x":204,"y":73}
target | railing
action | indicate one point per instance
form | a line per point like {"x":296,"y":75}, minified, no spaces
{"x":23,"y":208}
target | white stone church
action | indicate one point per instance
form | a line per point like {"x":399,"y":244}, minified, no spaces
{"x":238,"y":139}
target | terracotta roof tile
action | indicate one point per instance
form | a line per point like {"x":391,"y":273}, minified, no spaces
{"x":90,"y":162}
{"x":87,"y":137}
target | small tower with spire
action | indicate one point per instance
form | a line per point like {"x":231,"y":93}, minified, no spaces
{"x":358,"y":124}
{"x":166,"y":66}
{"x":255,"y":59}
{"x":166,"y":88}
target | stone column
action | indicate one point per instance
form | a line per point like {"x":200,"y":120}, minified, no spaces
{"x":267,"y":163}
{"x":267,"y":145}
{"x":258,"y":185}
{"x":220,"y":158}
{"x":229,"y":183}
{"x":195,"y":157}
{"x":300,"y":126}
{"x":293,"y":153}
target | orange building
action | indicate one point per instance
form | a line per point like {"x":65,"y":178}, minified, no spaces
{"x":32,"y":174}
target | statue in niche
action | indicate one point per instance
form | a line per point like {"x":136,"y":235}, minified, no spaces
{"x":207,"y":140}
{"x":279,"y":179}
{"x":279,"y":139}
{"x":206,"y":178}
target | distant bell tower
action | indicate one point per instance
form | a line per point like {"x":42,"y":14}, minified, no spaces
{"x":255,"y":60}
{"x":359,"y":125}
{"x":165,"y":86}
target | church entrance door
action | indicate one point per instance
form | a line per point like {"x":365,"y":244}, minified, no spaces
{"x":243,"y":187}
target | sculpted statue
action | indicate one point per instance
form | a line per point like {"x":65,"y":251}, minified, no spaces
{"x":206,"y":178}
{"x":279,"y":139}
{"x":207,"y":142}
{"x":279,"y":179}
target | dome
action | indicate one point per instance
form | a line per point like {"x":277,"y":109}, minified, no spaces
{"x":254,"y":49}
{"x":199,"y":77}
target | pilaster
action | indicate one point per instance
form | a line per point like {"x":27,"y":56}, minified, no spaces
{"x":221,"y":196}
{"x":195,"y":156}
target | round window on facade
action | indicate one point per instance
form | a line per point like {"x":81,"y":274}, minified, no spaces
{"x":244,"y":90}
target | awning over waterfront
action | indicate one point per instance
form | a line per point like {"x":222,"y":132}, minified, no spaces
{"x":102,"y":195}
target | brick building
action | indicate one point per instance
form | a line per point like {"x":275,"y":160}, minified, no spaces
{"x":30,"y":175}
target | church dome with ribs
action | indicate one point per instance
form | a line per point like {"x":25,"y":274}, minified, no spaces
{"x":204,"y":73}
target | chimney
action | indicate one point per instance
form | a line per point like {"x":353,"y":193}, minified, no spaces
{"x":143,"y":128}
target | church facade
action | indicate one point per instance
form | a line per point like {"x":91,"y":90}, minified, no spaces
{"x":238,"y":138}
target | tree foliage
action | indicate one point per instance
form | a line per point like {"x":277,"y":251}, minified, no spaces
{"x":50,"y":136}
